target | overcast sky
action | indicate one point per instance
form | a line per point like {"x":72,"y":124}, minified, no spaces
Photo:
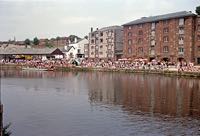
{"x":51,"y":18}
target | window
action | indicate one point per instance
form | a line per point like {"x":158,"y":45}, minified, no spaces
{"x":166,"y":30}
{"x":129,"y":50}
{"x":165,"y":38}
{"x":129,"y":27}
{"x":153,"y":42}
{"x":101,"y":53}
{"x":92,"y":47}
{"x":140,"y":25}
{"x":101,"y":46}
{"x":181,"y":30}
{"x":129,"y":34}
{"x":165,"y":22}
{"x":79,"y":51}
{"x":101,"y":34}
{"x":198,"y":28}
{"x":101,"y":40}
{"x":181,"y":38}
{"x":92,"y":41}
{"x":181,"y":21}
{"x":153,"y":25}
{"x":129,"y":42}
{"x":198,"y":48}
{"x":140,"y":50}
{"x":153,"y":33}
{"x":92,"y":34}
{"x":140,"y":41}
{"x":92,"y":53}
{"x":165,"y":49}
{"x":198,"y":37}
{"x":109,"y":40}
{"x":180,"y":49}
{"x":140,"y":32}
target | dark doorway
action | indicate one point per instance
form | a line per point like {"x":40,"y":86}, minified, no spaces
{"x":198,"y":61}
{"x":151,"y":59}
{"x":180,"y":59}
{"x":166,"y":59}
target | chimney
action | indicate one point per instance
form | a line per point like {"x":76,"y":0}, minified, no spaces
{"x":91,"y":29}
{"x":75,"y":40}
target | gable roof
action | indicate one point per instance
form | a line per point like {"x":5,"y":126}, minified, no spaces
{"x":160,"y":17}
{"x":69,"y":48}
{"x":30,"y":51}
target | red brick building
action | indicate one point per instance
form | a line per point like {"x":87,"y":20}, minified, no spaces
{"x":170,"y":37}
{"x":197,"y":40}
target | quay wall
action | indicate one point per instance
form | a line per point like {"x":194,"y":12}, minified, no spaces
{"x":141,"y":71}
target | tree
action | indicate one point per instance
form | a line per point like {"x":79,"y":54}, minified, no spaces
{"x":49,"y":45}
{"x":36,"y":41}
{"x":5,"y":130}
{"x":198,"y":10}
{"x":86,"y":37}
{"x":27,"y":42}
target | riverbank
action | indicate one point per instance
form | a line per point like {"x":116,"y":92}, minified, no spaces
{"x":165,"y":72}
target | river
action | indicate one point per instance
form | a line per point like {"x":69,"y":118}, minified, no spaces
{"x":99,"y":104}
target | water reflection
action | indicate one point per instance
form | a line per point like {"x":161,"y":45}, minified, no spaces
{"x":78,"y":103}
{"x":178,"y":97}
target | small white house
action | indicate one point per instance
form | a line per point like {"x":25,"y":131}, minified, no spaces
{"x":75,"y":50}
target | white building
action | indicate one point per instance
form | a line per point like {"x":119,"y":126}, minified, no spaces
{"x":75,"y":50}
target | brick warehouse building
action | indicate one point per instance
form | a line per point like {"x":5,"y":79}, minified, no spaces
{"x":170,"y":37}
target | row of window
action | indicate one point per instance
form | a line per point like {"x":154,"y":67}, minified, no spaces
{"x":109,"y":33}
{"x":165,"y":30}
{"x":101,"y":40}
{"x":165,"y":50}
{"x":181,"y":22}
{"x":165,"y":39}
{"x":101,"y":53}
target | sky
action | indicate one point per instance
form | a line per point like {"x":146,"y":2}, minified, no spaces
{"x":51,"y":18}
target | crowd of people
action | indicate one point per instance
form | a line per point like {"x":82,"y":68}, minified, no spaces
{"x":141,"y":64}
{"x":138,"y":64}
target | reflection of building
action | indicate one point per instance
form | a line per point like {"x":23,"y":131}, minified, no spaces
{"x":1,"y":118}
{"x":164,"y":37}
{"x":151,"y":94}
{"x":105,"y":43}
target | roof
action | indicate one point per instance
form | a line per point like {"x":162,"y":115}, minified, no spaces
{"x":69,"y":48}
{"x":110,"y":28}
{"x":160,"y":17}
{"x":29,"y":51}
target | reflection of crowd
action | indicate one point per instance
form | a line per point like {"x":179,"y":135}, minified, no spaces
{"x":138,"y":64}
{"x":38,"y":63}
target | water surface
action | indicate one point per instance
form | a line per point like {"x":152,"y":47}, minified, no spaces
{"x":99,"y":104}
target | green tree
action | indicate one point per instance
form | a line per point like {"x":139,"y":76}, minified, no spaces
{"x":27,"y":42}
{"x":36,"y":41}
{"x":198,"y":10}
{"x":48,"y":45}
{"x":5,"y":130}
